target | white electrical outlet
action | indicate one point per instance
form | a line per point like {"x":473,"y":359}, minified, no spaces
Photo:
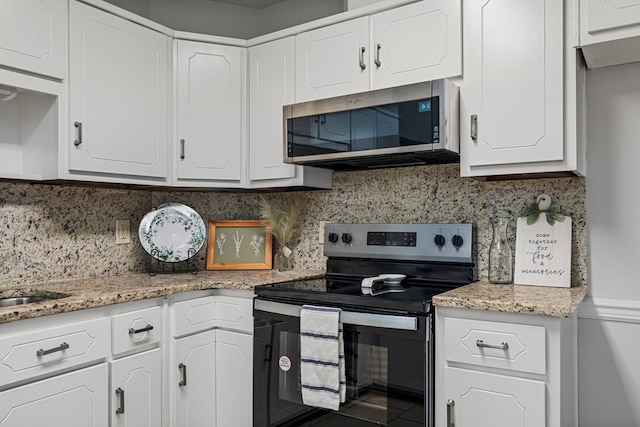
{"x":321,"y":230}
{"x":123,"y":235}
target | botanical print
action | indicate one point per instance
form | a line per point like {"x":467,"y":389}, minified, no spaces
{"x":256,"y":243}
{"x":220,"y":242}
{"x":237,"y":239}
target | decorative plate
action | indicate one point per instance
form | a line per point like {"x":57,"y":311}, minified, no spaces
{"x":172,"y":233}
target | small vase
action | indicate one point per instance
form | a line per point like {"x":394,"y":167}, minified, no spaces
{"x":283,"y":259}
{"x":500,"y":265}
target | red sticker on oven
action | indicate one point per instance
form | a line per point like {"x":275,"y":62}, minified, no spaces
{"x":285,"y":363}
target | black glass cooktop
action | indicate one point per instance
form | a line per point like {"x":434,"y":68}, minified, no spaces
{"x":414,"y":298}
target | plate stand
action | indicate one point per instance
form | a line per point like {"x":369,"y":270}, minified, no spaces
{"x":160,"y":267}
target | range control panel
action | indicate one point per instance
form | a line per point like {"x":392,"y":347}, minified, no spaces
{"x":411,"y":242}
{"x":391,"y":238}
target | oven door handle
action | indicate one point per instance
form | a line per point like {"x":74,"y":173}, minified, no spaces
{"x":386,"y":321}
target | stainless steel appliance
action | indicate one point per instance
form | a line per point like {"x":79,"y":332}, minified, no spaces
{"x":408,"y":125}
{"x":387,"y":323}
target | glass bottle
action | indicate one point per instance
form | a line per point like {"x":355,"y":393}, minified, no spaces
{"x":283,"y":259}
{"x":500,"y":265}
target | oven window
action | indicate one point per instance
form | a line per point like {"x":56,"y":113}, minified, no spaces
{"x":385,"y":379}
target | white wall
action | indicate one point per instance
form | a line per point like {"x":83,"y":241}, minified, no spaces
{"x":609,"y":326}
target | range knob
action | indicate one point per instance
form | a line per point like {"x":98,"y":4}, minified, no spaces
{"x":439,"y":240}
{"x":333,"y":237}
{"x":457,"y":241}
{"x":347,"y":238}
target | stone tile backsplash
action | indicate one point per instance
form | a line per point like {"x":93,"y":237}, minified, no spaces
{"x":56,"y":232}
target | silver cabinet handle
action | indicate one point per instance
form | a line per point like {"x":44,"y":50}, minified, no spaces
{"x":362,"y":64}
{"x":183,"y":372}
{"x":78,"y":126}
{"x":474,"y":127}
{"x":43,"y":352}
{"x":120,"y":395}
{"x":501,"y":346}
{"x":139,"y":331}
{"x":182,"y":149}
{"x":450,"y":404}
{"x":377,"y":59}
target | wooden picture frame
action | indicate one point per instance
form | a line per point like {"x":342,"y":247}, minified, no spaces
{"x":238,"y":245}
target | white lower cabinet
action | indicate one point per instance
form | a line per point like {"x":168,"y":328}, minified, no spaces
{"x":234,"y":378}
{"x":211,"y":380}
{"x":514,"y":402}
{"x":505,"y":369}
{"x":76,"y":399}
{"x":193,"y":380}
{"x":136,"y":390}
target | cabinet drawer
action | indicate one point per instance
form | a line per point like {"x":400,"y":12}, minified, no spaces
{"x":194,"y":315}
{"x":235,"y":313}
{"x":137,"y":329}
{"x":41,"y":352}
{"x":496,"y":344}
{"x":75,"y":399}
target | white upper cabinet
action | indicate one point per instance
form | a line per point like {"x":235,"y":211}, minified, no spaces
{"x":33,"y":36}
{"x":610,"y":31}
{"x":333,"y":60}
{"x":409,"y":44}
{"x":209,"y":142}
{"x":271,"y":86}
{"x":520,"y":89}
{"x":118,"y":98}
{"x":415,"y":43}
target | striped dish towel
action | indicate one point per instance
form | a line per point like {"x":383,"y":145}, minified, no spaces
{"x":322,"y":357}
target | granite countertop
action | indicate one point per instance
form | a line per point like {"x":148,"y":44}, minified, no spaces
{"x":97,"y":292}
{"x":543,"y":300}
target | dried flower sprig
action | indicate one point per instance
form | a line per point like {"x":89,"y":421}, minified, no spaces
{"x":285,"y":222}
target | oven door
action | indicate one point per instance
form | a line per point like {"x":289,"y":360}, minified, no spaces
{"x":388,"y":364}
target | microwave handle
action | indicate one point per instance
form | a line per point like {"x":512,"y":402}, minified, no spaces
{"x":386,"y":321}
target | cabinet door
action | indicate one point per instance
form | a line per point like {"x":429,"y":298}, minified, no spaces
{"x":415,"y":43}
{"x":194,"y":380}
{"x":606,"y":20}
{"x":135,"y":390}
{"x":118,"y":95}
{"x":33,"y":36}
{"x":513,"y":83}
{"x":489,"y":400}
{"x":77,"y":399}
{"x":234,"y":378}
{"x":330,"y":61}
{"x":209,"y":114}
{"x":271,"y":77}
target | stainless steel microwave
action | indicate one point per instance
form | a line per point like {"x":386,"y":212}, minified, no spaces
{"x":408,"y":125}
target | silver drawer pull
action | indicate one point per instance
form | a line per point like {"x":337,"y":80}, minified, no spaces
{"x":183,"y":371}
{"x":362,"y":64}
{"x":43,"y":352}
{"x":501,"y":346}
{"x":78,"y":125}
{"x":139,"y":331}
{"x":450,"y":404}
{"x":120,"y":394}
{"x":474,"y":127}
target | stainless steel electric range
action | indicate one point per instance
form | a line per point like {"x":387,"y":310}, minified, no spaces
{"x":383,"y":277}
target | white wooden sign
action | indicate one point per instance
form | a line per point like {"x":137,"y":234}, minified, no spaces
{"x":543,"y":253}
